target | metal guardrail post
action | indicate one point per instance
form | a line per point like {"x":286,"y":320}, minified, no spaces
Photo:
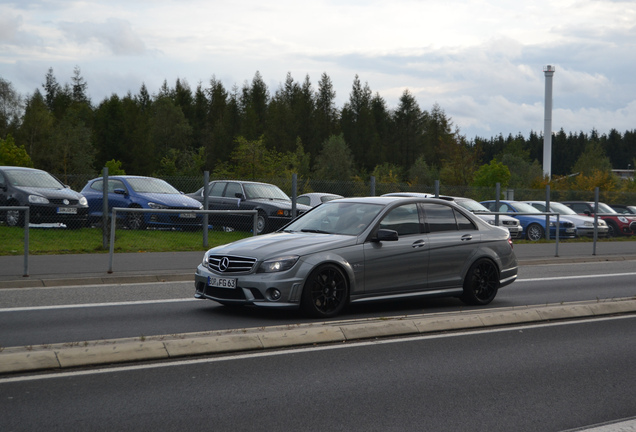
{"x":104,"y":207}
{"x":111,"y":248}
{"x":206,"y":202}
{"x":596,"y":197}
{"x":294,"y":194}
{"x":372,"y":186}
{"x":27,"y":216}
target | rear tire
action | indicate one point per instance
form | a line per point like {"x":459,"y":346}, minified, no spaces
{"x":481,"y":283}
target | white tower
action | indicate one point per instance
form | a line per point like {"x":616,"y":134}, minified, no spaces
{"x":547,"y":126}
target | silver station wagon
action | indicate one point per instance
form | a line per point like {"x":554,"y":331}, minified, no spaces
{"x":362,"y":249}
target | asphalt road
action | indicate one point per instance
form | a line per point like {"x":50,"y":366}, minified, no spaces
{"x":41,"y":316}
{"x":536,"y":378}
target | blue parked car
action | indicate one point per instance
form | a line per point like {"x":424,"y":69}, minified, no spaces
{"x":533,"y":226}
{"x":142,"y":192}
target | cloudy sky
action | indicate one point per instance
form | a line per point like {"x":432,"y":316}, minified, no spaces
{"x":481,"y":60}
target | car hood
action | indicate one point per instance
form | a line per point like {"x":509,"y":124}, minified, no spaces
{"x":489,"y":217}
{"x":171,"y":200}
{"x":279,"y":244}
{"x":577,"y":219}
{"x":52,"y":193}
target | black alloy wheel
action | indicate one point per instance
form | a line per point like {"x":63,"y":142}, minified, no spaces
{"x":14,"y":218}
{"x":481,"y":283}
{"x":326,"y":292}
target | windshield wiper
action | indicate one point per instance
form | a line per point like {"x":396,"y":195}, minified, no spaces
{"x":317,"y":231}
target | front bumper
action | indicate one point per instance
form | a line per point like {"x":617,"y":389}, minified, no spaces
{"x":251,"y":289}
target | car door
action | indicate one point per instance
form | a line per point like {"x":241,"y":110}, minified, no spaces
{"x":402,"y":265}
{"x":453,"y":240}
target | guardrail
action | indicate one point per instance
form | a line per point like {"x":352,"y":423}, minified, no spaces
{"x":113,"y":222}
{"x":25,"y":209}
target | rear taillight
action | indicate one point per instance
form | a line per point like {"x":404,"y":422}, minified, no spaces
{"x":510,"y":242}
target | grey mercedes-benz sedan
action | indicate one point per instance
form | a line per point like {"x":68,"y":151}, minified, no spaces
{"x":362,"y":249}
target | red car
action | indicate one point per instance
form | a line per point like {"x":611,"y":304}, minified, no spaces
{"x":618,"y":224}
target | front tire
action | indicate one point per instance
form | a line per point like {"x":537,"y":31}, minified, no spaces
{"x":14,"y":218}
{"x":135,"y":221}
{"x":481,"y":283}
{"x":326,"y":292}
{"x":535,"y":232}
{"x":612,"y":230}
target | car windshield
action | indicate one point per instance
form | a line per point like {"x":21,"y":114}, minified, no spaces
{"x":266,"y":191}
{"x":561,"y":208}
{"x":333,"y":217}
{"x":471,"y":205}
{"x":151,"y":185}
{"x":604,"y":208}
{"x":524,"y":208}
{"x":34,"y":179}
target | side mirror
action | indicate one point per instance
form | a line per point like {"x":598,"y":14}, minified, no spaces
{"x":120,"y":191}
{"x":239,"y":195}
{"x":385,"y":235}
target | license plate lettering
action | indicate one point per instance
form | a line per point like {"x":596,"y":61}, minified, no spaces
{"x":187,"y":215}
{"x":222,"y":282}
{"x":66,"y":210}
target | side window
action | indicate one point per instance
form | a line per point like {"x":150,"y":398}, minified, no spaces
{"x":579,"y":207}
{"x":303,"y":200}
{"x":440,"y":218}
{"x":490,"y":206}
{"x":463,"y":223}
{"x":404,"y":219}
{"x":98,"y":185}
{"x":216,"y":189}
{"x":1,"y":178}
{"x":115,"y":184}
{"x":232,"y":189}
{"x":539,"y":207}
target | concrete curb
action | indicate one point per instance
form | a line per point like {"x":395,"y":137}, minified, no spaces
{"x":94,"y":353}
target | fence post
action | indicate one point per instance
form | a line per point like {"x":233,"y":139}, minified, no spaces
{"x":105,"y":208}
{"x":112,"y":241}
{"x":206,"y":201}
{"x":27,"y":216}
{"x":436,"y":188}
{"x":596,"y":197}
{"x":497,"y":193}
{"x":547,"y":218}
{"x":372,"y":186}
{"x":294,"y":194}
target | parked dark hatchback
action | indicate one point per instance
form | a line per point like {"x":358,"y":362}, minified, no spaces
{"x":49,"y":200}
{"x":273,"y":205}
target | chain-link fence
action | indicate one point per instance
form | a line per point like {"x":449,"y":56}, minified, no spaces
{"x":186,"y":230}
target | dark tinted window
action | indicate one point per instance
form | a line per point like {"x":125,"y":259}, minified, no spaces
{"x":579,"y":207}
{"x":232,"y":189}
{"x":463,"y":223}
{"x":404,"y":219}
{"x":216,"y":189}
{"x":440,"y":218}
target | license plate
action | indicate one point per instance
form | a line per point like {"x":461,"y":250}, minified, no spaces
{"x":187,"y":215}
{"x":569,"y":230}
{"x":222,"y":282}
{"x":66,"y":210}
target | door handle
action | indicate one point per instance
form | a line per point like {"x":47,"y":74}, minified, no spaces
{"x":418,"y":244}
{"x":467,"y":237}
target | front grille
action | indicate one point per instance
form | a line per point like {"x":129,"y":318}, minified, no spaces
{"x":60,"y":201}
{"x":230,"y":264}
{"x":567,"y":224}
{"x":509,"y":222}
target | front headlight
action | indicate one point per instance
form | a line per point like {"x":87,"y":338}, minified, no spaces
{"x":278,"y":264}
{"x":156,"y":206}
{"x":37,"y":199}
{"x":205,"y":260}
{"x":602,"y":223}
{"x":83,"y":201}
{"x":623,"y":219}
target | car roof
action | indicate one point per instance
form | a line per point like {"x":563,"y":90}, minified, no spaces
{"x":16,"y":168}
